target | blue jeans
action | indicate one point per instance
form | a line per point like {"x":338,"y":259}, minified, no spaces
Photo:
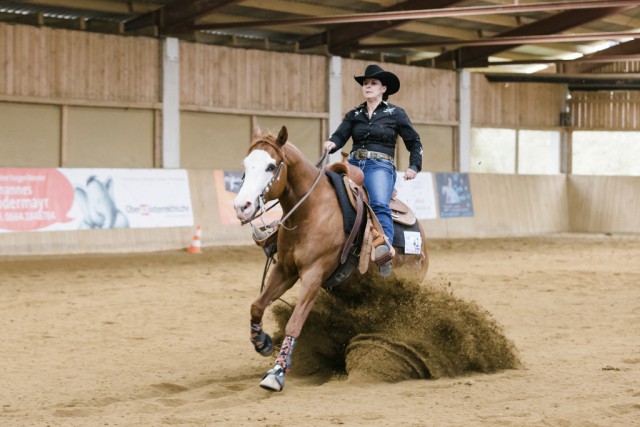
{"x":379,"y":181}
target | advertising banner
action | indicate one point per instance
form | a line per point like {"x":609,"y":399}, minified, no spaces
{"x":77,"y":199}
{"x":454,"y":195}
{"x":418,"y":194}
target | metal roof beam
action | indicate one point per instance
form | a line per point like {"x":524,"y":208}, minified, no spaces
{"x":467,"y":57}
{"x":176,"y":14}
{"x":506,"y":41}
{"x":629,"y":50}
{"x":424,"y":14}
{"x":346,"y":35}
{"x":575,"y":81}
{"x":584,"y":60}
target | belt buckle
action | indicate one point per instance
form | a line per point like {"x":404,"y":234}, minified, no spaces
{"x":361,"y":154}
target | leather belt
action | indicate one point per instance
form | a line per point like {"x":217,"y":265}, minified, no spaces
{"x":361,"y":154}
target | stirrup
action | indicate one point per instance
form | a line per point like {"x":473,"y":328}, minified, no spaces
{"x":383,"y":255}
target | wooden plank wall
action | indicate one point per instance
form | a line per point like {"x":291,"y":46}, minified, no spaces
{"x":620,"y":67}
{"x":600,"y":204}
{"x":605,"y":110}
{"x":428,"y":95}
{"x":216,"y":78}
{"x":73,"y":67}
{"x":515,"y":105}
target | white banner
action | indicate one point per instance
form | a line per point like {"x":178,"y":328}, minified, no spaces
{"x":418,"y":194}
{"x":78,"y":199}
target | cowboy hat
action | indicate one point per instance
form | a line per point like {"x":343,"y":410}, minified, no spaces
{"x":387,"y":78}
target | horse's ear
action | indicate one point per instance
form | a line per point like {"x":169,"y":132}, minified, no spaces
{"x":282,"y":136}
{"x":255,"y":129}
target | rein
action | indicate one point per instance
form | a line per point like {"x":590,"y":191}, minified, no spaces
{"x":276,"y":224}
{"x":321,"y":162}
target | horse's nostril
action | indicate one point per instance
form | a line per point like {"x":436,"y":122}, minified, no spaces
{"x":246,"y":206}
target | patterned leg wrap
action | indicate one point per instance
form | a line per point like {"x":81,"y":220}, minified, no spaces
{"x":261,"y":341}
{"x":284,"y":358}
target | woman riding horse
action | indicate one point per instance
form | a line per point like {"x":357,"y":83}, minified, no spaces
{"x":309,"y":240}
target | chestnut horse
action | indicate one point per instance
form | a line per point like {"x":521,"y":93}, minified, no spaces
{"x":309,"y":242}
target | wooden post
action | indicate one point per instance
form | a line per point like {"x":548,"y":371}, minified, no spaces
{"x":64,"y":135}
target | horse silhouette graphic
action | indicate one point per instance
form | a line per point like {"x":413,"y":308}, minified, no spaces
{"x":97,"y":204}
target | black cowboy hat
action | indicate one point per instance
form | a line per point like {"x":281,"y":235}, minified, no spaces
{"x":387,"y":78}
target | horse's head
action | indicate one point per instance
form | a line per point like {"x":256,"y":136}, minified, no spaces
{"x":265,"y":174}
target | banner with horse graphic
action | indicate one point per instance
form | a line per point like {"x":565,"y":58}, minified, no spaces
{"x":454,"y":195}
{"x":77,"y":199}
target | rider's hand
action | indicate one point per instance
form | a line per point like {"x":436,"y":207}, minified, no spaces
{"x":329,"y":145}
{"x":410,"y":174}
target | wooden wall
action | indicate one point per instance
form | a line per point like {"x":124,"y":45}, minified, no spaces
{"x":428,"y":94}
{"x":216,"y":77}
{"x":76,"y":67}
{"x":605,"y":110}
{"x":69,"y":73}
{"x":515,"y":105}
{"x":600,"y":204}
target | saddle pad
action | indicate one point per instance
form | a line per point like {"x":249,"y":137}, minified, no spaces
{"x":348,"y":212}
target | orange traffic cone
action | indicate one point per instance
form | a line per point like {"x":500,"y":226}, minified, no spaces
{"x":196,"y":245}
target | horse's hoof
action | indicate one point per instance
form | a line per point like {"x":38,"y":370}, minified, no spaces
{"x":273,"y":380}
{"x":267,"y":346}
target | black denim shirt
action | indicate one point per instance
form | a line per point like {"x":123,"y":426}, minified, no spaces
{"x":380,"y":133}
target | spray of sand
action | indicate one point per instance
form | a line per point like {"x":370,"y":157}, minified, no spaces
{"x":392,"y":330}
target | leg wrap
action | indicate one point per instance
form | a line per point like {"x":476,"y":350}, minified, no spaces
{"x":261,"y":341}
{"x":257,"y":335}
{"x":284,"y":358}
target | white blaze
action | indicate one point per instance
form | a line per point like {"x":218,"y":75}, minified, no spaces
{"x":256,"y":178}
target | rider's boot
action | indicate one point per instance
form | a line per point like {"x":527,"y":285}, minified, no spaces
{"x":383,"y":254}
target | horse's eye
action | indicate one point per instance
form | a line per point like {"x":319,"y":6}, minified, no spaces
{"x":271,"y":168}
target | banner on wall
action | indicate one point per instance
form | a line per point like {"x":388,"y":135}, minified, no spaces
{"x":227,"y":186}
{"x":454,"y":195}
{"x":418,"y":194}
{"x":79,"y":199}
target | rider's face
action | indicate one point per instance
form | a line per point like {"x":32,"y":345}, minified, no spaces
{"x":373,"y":89}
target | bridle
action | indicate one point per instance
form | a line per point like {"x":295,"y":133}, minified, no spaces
{"x":276,"y":177}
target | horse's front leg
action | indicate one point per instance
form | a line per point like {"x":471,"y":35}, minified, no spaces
{"x":310,"y":285}
{"x":277,"y":284}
